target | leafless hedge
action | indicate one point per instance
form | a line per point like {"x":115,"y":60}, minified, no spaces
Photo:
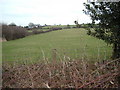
{"x":13,"y":32}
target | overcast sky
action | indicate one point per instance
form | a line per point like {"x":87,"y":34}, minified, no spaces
{"x":43,"y":12}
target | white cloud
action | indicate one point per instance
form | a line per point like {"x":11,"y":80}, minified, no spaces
{"x":43,"y":11}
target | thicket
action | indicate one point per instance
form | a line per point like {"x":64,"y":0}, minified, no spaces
{"x":13,"y":32}
{"x":64,"y":74}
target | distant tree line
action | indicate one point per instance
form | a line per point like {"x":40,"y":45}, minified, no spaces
{"x":12,"y":31}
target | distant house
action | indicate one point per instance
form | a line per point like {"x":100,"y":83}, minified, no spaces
{"x":31,"y":25}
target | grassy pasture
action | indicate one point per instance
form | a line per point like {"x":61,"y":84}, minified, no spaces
{"x":72,"y":43}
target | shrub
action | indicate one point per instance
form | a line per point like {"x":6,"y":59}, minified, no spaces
{"x":37,"y":32}
{"x":13,"y":32}
{"x":53,"y":29}
{"x":29,"y":33}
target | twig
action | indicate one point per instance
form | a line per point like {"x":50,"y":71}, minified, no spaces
{"x":99,"y":78}
{"x":102,"y":66}
{"x":46,"y":84}
{"x":30,"y":76}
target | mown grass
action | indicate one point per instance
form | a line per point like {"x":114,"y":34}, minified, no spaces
{"x":72,"y":43}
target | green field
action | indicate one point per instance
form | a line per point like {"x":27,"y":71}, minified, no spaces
{"x":72,"y":43}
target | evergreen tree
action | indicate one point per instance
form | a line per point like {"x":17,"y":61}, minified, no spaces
{"x":108,"y":28}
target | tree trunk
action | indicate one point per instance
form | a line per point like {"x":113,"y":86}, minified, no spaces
{"x":116,"y":50}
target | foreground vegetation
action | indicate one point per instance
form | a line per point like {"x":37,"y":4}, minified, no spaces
{"x":66,"y":43}
{"x":108,"y":28}
{"x":65,"y":74}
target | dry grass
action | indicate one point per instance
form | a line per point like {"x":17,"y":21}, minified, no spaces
{"x":63,"y":74}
